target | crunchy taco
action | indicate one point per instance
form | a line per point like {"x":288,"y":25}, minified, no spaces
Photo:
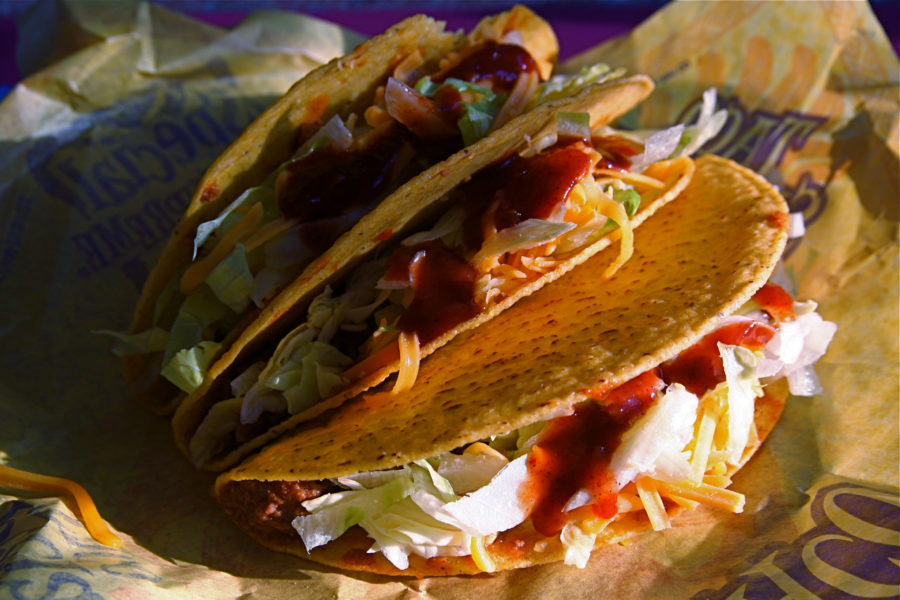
{"x":340,"y":140}
{"x":540,"y":196}
{"x":593,"y":411}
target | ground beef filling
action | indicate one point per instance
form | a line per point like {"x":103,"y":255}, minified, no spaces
{"x":266,"y":508}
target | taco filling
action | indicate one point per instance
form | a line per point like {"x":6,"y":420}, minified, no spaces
{"x":508,"y":229}
{"x":669,"y":438}
{"x":340,"y":170}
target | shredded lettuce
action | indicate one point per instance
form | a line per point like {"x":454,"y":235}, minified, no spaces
{"x":333,"y":514}
{"x":450,"y":222}
{"x":468,"y":472}
{"x":564,"y":86}
{"x":218,"y":423}
{"x":743,"y":388}
{"x":681,"y":139}
{"x":231,"y":280}
{"x":521,"y":236}
{"x":577,"y":125}
{"x":145,"y":342}
{"x":188,"y":367}
{"x":199,"y":310}
{"x":655,"y":443}
{"x":630,"y":198}
{"x":795,"y":347}
{"x":415,"y":510}
{"x":227,"y":218}
{"x":709,"y":123}
{"x":478,"y":115}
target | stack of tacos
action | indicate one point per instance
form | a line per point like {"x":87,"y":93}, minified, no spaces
{"x":590,"y":411}
{"x":460,"y":322}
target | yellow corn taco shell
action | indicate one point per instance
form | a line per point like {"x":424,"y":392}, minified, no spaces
{"x":418,"y":201}
{"x":343,"y":86}
{"x":699,"y":259}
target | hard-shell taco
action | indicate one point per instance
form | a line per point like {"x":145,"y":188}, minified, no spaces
{"x":341,"y":139}
{"x":527,"y":204}
{"x":591,"y":411}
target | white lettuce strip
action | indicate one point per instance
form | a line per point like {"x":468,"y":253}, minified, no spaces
{"x":654,"y":445}
{"x":414,"y":510}
{"x":681,"y":140}
{"x":796,"y":346}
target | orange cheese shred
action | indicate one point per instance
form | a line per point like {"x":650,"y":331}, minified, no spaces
{"x":611,"y":209}
{"x":656,"y":511}
{"x":633,"y":178}
{"x":704,"y":494}
{"x":74,"y":496}
{"x":374,"y":362}
{"x":409,"y":362}
{"x":481,"y":556}
{"x":197,"y":272}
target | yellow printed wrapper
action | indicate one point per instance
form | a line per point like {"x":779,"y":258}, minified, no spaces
{"x":128,"y":104}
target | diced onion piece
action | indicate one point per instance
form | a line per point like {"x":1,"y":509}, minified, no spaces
{"x":418,"y":113}
{"x":797,"y":227}
{"x":409,"y":362}
{"x":518,"y":98}
{"x":197,"y":272}
{"x":703,"y":493}
{"x":337,"y":134}
{"x":84,"y":507}
{"x":481,"y":556}
{"x":633,"y":178}
{"x":653,"y":504}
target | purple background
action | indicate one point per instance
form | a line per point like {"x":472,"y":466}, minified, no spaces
{"x":579,"y":25}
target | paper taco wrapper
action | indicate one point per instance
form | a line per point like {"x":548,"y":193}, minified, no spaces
{"x":103,"y":146}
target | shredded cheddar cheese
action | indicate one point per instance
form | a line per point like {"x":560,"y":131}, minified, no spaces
{"x":198,"y":272}
{"x":481,"y":556}
{"x":75,"y":497}
{"x":633,"y":178}
{"x":479,"y":448}
{"x":702,"y":446}
{"x":409,"y":362}
{"x":704,"y":493}
{"x":653,"y":504}
{"x":613,"y":210}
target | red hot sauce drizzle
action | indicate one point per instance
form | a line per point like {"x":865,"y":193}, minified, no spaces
{"x":498,"y":65}
{"x":526,"y":188}
{"x":492,"y":65}
{"x":699,"y":368}
{"x":616,"y":151}
{"x":443,"y":281}
{"x":774,"y":300}
{"x":573,"y":453}
{"x":327,"y":184}
{"x":443,"y":286}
